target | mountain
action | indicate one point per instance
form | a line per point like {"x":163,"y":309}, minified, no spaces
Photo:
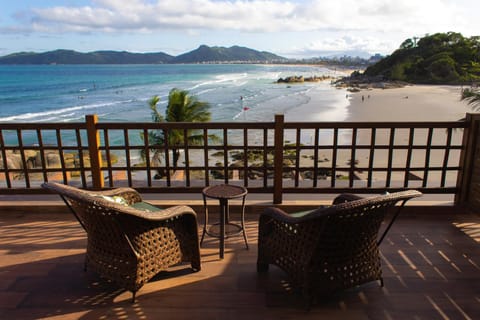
{"x":203,"y":54}
{"x":73,"y":57}
{"x":441,"y":58}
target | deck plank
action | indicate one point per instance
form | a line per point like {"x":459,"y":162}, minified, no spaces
{"x":431,"y":267}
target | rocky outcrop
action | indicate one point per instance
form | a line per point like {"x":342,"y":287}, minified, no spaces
{"x":52,"y":159}
{"x":301,"y":79}
{"x":357,"y":82}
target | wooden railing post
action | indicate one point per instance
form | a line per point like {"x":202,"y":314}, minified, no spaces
{"x":94,"y":151}
{"x":468,"y":181}
{"x":278,"y":160}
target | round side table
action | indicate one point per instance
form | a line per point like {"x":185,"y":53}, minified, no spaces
{"x":223,"y":193}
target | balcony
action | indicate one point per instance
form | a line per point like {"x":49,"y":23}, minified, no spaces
{"x":430,"y":258}
{"x":274,"y":158}
{"x":431,"y":266}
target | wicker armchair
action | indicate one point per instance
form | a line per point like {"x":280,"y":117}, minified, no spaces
{"x":331,"y":248}
{"x":129,"y":245}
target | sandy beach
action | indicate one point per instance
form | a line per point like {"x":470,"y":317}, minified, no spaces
{"x":409,"y":103}
{"x":413,"y":103}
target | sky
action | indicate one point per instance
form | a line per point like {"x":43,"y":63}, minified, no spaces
{"x":292,"y":29}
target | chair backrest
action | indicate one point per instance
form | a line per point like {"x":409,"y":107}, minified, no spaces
{"x":95,"y":214}
{"x":352,"y":228}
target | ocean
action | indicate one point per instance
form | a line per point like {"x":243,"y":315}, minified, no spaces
{"x":118,"y":93}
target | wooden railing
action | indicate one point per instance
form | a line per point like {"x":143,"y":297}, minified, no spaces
{"x":269,"y":157}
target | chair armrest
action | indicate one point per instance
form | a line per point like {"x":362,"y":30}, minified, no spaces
{"x":160,"y":215}
{"x":279,"y":214}
{"x":281,"y":235}
{"x":177,"y":224}
{"x":346,"y":197}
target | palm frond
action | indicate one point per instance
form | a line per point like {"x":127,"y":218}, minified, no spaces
{"x":156,"y":116}
{"x":182,"y":107}
{"x":195,"y":139}
{"x":472,"y":97}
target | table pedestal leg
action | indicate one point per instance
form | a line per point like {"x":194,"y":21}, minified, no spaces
{"x":243,"y":222}
{"x":205,"y":208}
{"x":223,"y":213}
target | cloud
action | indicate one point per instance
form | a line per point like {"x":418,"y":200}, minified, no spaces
{"x":112,"y":15}
{"x":364,"y":46}
{"x":377,"y":15}
{"x":287,"y":26}
{"x":246,"y":16}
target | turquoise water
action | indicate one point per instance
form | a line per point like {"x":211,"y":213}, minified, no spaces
{"x":65,"y":93}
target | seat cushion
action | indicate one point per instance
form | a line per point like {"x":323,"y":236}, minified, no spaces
{"x":145,"y":206}
{"x":115,"y":199}
{"x":300,"y":214}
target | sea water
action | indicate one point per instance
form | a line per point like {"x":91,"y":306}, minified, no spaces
{"x":236,"y":92}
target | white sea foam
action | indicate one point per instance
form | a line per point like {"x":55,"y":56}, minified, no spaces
{"x":47,"y":115}
{"x":232,"y":77}
{"x":238,"y":115}
{"x":34,"y":115}
{"x":222,"y":78}
{"x":63,"y":118}
{"x":221,"y":86}
{"x":205,"y":91}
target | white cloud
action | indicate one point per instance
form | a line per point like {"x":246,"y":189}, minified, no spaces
{"x":363,"y":25}
{"x":178,"y":14}
{"x":250,"y":16}
{"x":364,"y":46}
{"x":349,"y":42}
{"x":377,"y":15}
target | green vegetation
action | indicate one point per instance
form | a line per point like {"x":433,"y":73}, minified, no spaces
{"x":441,"y":58}
{"x":472,"y":97}
{"x":221,"y":54}
{"x":182,"y":107}
{"x":202,"y":54}
{"x":96,"y":57}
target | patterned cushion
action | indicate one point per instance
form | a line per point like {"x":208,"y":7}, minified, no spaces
{"x":145,"y":206}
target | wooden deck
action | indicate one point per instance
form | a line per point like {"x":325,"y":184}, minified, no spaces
{"x":431,"y":267}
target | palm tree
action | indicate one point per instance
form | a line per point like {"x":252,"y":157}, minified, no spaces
{"x":182,"y":107}
{"x":472,"y":96}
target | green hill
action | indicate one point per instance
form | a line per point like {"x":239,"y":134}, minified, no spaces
{"x":221,"y":54}
{"x":73,"y":57}
{"x":441,"y":58}
{"x":203,"y":54}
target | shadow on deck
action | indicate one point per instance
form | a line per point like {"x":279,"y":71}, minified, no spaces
{"x":431,"y":266}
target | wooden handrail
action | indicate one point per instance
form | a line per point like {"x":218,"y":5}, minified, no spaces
{"x":267,"y":164}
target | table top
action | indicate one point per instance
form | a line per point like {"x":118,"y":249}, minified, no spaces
{"x":224,"y":191}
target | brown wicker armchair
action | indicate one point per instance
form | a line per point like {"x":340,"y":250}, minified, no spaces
{"x":331,"y":248}
{"x":130,"y":242}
